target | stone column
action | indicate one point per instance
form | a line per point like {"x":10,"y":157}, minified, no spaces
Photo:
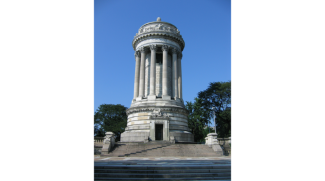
{"x":142,"y":66}
{"x":152,"y":94}
{"x":180,"y":94}
{"x":165,"y":77}
{"x":175,"y":82}
{"x":136,"y":76}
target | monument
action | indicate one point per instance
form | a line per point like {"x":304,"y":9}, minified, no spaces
{"x":157,"y":111}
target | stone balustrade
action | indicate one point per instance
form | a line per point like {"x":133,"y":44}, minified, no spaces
{"x":108,"y":143}
{"x":98,"y":141}
{"x":220,"y":145}
{"x":225,"y":144}
{"x":172,"y":139}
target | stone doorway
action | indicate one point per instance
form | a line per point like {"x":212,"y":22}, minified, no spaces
{"x":159,"y":132}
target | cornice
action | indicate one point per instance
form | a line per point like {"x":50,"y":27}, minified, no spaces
{"x":165,"y":35}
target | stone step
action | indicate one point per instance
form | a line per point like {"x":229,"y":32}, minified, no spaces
{"x":153,"y":149}
{"x":129,"y":169}
{"x":163,"y":179}
{"x":163,"y":167}
{"x":158,"y":175}
{"x":228,"y":171}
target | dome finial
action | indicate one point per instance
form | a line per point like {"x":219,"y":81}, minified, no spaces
{"x":158,"y":19}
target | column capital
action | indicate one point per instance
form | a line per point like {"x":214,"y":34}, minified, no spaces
{"x":175,"y":50}
{"x":165,"y":48}
{"x":153,"y":47}
{"x":143,"y":49}
{"x":179,"y":55}
{"x":137,"y":54}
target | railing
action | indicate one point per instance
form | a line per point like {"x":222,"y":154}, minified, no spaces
{"x":224,"y":141}
{"x":225,"y":144}
{"x":98,"y":141}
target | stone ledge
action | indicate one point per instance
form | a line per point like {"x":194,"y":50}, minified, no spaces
{"x":167,"y":109}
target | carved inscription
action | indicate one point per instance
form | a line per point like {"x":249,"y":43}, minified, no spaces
{"x":137,"y":110}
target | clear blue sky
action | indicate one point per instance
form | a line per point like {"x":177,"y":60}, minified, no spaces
{"x":204,"y":25}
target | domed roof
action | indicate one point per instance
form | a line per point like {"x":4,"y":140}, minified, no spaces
{"x":159,"y":28}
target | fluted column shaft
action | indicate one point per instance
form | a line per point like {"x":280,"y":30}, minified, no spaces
{"x":142,"y":67}
{"x":136,"y":76}
{"x":175,"y":77}
{"x":180,"y":94}
{"x":153,"y":49}
{"x":165,"y":77}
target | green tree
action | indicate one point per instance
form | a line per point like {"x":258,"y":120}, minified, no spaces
{"x":110,"y":117}
{"x":97,"y":129}
{"x":197,"y":119}
{"x":206,"y":131}
{"x":218,"y":95}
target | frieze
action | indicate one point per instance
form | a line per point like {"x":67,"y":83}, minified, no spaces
{"x":174,"y":110}
{"x":159,"y":121}
{"x":158,"y":27}
{"x":159,"y":114}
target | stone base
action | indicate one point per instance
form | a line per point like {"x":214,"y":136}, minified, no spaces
{"x":182,"y":137}
{"x":138,"y":99}
{"x":152,"y":97}
{"x":178,"y":99}
{"x":217,"y":149}
{"x":134,"y":136}
{"x":211,"y":139}
{"x":166,"y":97}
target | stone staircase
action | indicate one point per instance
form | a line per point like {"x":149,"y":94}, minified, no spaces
{"x":160,"y":149}
{"x":164,"y":170}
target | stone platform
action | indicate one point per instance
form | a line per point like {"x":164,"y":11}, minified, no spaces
{"x":161,"y":149}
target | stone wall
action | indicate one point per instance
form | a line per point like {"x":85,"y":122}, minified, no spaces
{"x":98,"y":150}
{"x":141,"y":125}
{"x":134,"y":136}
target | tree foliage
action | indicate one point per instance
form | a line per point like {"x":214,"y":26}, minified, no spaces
{"x":110,"y":117}
{"x":218,"y":95}
{"x":197,"y":119}
{"x":97,"y":129}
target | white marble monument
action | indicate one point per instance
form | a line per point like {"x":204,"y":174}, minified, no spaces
{"x":157,"y":110}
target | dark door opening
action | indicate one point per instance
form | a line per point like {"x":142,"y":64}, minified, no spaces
{"x":159,"y":132}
